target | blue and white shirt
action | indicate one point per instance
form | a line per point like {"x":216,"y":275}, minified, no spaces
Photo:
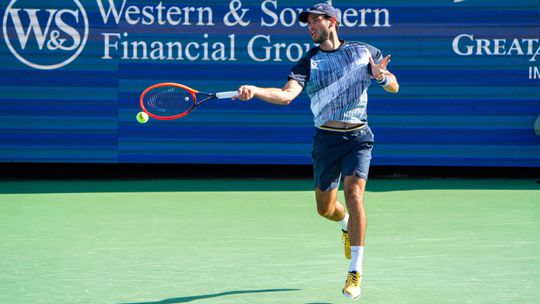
{"x":337,"y":81}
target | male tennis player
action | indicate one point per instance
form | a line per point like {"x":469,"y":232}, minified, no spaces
{"x":336,"y":76}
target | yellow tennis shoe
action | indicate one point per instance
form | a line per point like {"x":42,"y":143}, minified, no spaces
{"x":352,"y":288}
{"x":346,"y":244}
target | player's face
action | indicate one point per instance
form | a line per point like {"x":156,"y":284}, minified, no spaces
{"x":318,"y":28}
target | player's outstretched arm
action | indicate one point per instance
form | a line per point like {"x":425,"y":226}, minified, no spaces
{"x":278,"y":96}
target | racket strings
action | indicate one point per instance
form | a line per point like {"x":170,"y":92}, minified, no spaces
{"x":168,"y":101}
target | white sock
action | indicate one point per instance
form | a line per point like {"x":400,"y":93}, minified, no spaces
{"x":344,"y":222}
{"x":357,"y":253}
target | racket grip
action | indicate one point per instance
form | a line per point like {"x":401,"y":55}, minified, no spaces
{"x":223,"y":95}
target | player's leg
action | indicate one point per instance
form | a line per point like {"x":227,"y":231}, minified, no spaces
{"x":354,"y":188}
{"x":355,"y":167}
{"x":327,"y":173}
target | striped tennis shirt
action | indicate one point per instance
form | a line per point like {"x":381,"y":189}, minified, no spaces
{"x":337,"y":81}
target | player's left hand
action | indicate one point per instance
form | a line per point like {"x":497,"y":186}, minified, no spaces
{"x":378,"y":70}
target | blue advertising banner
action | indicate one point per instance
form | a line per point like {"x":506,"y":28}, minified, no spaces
{"x":72,"y":72}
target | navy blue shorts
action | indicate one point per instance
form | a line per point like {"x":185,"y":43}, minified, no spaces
{"x":336,"y":154}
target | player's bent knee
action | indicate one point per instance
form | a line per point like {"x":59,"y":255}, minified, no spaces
{"x":325,"y":211}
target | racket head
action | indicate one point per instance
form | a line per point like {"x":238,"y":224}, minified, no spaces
{"x":168,"y":100}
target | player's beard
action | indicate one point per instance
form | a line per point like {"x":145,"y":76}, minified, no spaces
{"x":323,"y":36}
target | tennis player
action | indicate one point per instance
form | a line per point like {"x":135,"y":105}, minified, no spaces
{"x":336,"y":76}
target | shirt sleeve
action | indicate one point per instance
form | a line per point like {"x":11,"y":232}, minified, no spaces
{"x":300,"y":72}
{"x":376,"y":54}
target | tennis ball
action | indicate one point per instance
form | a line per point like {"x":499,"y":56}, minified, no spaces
{"x":537,"y":126}
{"x":142,"y":117}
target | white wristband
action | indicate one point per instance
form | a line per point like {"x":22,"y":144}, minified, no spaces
{"x":384,"y":82}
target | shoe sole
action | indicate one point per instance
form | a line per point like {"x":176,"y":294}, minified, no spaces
{"x":349,"y":296}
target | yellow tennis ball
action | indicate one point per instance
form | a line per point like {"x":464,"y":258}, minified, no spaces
{"x":142,"y":117}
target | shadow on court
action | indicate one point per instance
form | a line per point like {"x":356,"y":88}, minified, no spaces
{"x":213,"y":295}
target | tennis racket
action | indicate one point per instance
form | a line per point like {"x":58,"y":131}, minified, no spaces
{"x":169,"y":100}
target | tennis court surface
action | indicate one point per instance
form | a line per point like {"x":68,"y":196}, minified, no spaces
{"x":262,"y":241}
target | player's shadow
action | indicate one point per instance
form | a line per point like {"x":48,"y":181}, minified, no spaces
{"x":212,"y":295}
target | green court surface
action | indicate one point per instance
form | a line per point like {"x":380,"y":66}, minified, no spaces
{"x":262,"y":241}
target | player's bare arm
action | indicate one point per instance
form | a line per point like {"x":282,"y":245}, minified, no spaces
{"x":278,"y":96}
{"x":379,"y":72}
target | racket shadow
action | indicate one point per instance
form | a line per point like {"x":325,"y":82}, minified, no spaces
{"x":213,"y":295}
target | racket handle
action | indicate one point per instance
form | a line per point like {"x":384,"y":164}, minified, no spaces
{"x":223,"y":95}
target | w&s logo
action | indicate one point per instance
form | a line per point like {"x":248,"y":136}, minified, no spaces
{"x":45,"y":35}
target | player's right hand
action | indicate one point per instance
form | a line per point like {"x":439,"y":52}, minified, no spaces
{"x":246,"y":92}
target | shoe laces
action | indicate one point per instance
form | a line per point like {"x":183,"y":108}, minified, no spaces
{"x":352,"y":279}
{"x":345,"y":237}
